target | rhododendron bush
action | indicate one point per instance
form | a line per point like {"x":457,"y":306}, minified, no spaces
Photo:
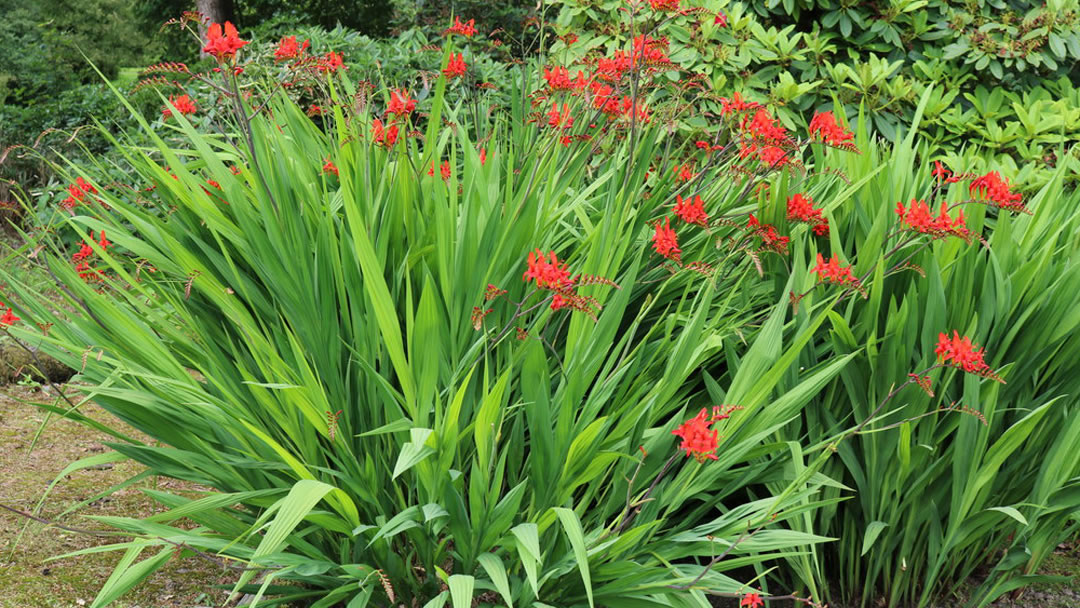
{"x":430,"y":349}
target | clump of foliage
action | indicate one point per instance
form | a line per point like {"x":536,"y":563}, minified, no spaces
{"x":562,"y":344}
{"x":1002,"y":75}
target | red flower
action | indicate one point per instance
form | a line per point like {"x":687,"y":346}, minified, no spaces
{"x":664,"y":5}
{"x":735,"y":105}
{"x":8,"y":318}
{"x":444,"y":169}
{"x":548,"y":272}
{"x":770,"y":238}
{"x":665,"y":242}
{"x":801,"y":209}
{"x":385,"y":137}
{"x":823,"y":126}
{"x":400,"y":104}
{"x":721,"y":19}
{"x":77,"y":193}
{"x":962,"y":354}
{"x":330,"y":62}
{"x":223,"y":47}
{"x":918,"y":217}
{"x":992,"y":187}
{"x":561,"y":119}
{"x":465,"y":29}
{"x":940,"y":172}
{"x":483,"y":156}
{"x":698,"y":439}
{"x":182,"y":104}
{"x":752,"y":600}
{"x":833,"y":271}
{"x":288,"y":48}
{"x":691,"y":211}
{"x":558,"y":79}
{"x":329,"y":168}
{"x":683,"y":173}
{"x":558,"y":302}
{"x":455,"y":66}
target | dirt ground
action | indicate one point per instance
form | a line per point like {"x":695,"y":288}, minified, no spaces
{"x":28,"y":579}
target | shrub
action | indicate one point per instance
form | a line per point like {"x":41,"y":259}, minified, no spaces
{"x":330,"y":327}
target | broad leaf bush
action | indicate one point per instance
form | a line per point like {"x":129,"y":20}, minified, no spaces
{"x":537,"y":346}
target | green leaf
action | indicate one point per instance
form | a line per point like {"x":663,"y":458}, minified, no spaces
{"x":572,"y":526}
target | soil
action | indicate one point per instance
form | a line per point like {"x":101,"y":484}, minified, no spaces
{"x":34,"y":448}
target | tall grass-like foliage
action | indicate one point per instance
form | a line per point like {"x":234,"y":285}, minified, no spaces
{"x":330,"y":326}
{"x":959,"y":475}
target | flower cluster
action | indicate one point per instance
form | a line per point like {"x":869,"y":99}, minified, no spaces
{"x":330,"y":62}
{"x":8,"y":318}
{"x":289,"y":48}
{"x":801,"y":209}
{"x":771,"y":240}
{"x":699,"y":439}
{"x":918,"y":217}
{"x":455,"y":66}
{"x":182,"y":104}
{"x":444,"y":170}
{"x":823,"y":127}
{"x":665,"y":242}
{"x":223,"y":45}
{"x":82,"y":266}
{"x":997,"y":190}
{"x":552,"y":275}
{"x":383,"y":136}
{"x":691,"y":211}
{"x":467,"y":29}
{"x":962,"y":354}
{"x":833,"y":271}
{"x":77,"y":193}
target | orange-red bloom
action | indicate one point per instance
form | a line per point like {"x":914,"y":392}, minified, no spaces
{"x":8,"y":318}
{"x":549,"y":272}
{"x":455,"y":66}
{"x":833,"y":271}
{"x":823,"y":127}
{"x":288,"y":48}
{"x":77,"y":193}
{"x":466,"y":29}
{"x":691,"y":211}
{"x":560,"y":119}
{"x":698,"y":439}
{"x":665,"y":6}
{"x":771,"y":240}
{"x":801,"y":209}
{"x":182,"y":104}
{"x":752,"y":600}
{"x":444,"y":169}
{"x":400,"y":104}
{"x":961,"y":353}
{"x":383,"y":136}
{"x":665,"y":242}
{"x":330,"y":62}
{"x":683,"y":173}
{"x":558,"y":79}
{"x":918,"y":217}
{"x":223,"y":46}
{"x":992,"y":187}
{"x":329,"y":167}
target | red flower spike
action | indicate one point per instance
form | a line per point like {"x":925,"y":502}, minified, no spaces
{"x":182,"y":104}
{"x":223,"y":45}
{"x":833,"y":271}
{"x":455,"y":66}
{"x":823,"y":127}
{"x":330,"y":62}
{"x":962,"y":354}
{"x":801,"y":209}
{"x":8,"y":318}
{"x":753,"y":600}
{"x":997,"y":190}
{"x":492,"y":292}
{"x":665,"y":242}
{"x":664,"y":6}
{"x":918,"y":218}
{"x":467,"y":29}
{"x":691,"y":211}
{"x":329,"y":168}
{"x":288,"y":48}
{"x":771,"y":240}
{"x":548,"y":272}
{"x":383,"y":136}
{"x":683,"y":173}
{"x":558,"y":79}
{"x":698,"y":439}
{"x":400,"y":104}
{"x":560,"y":119}
{"x":940,"y":172}
{"x":721,"y":19}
